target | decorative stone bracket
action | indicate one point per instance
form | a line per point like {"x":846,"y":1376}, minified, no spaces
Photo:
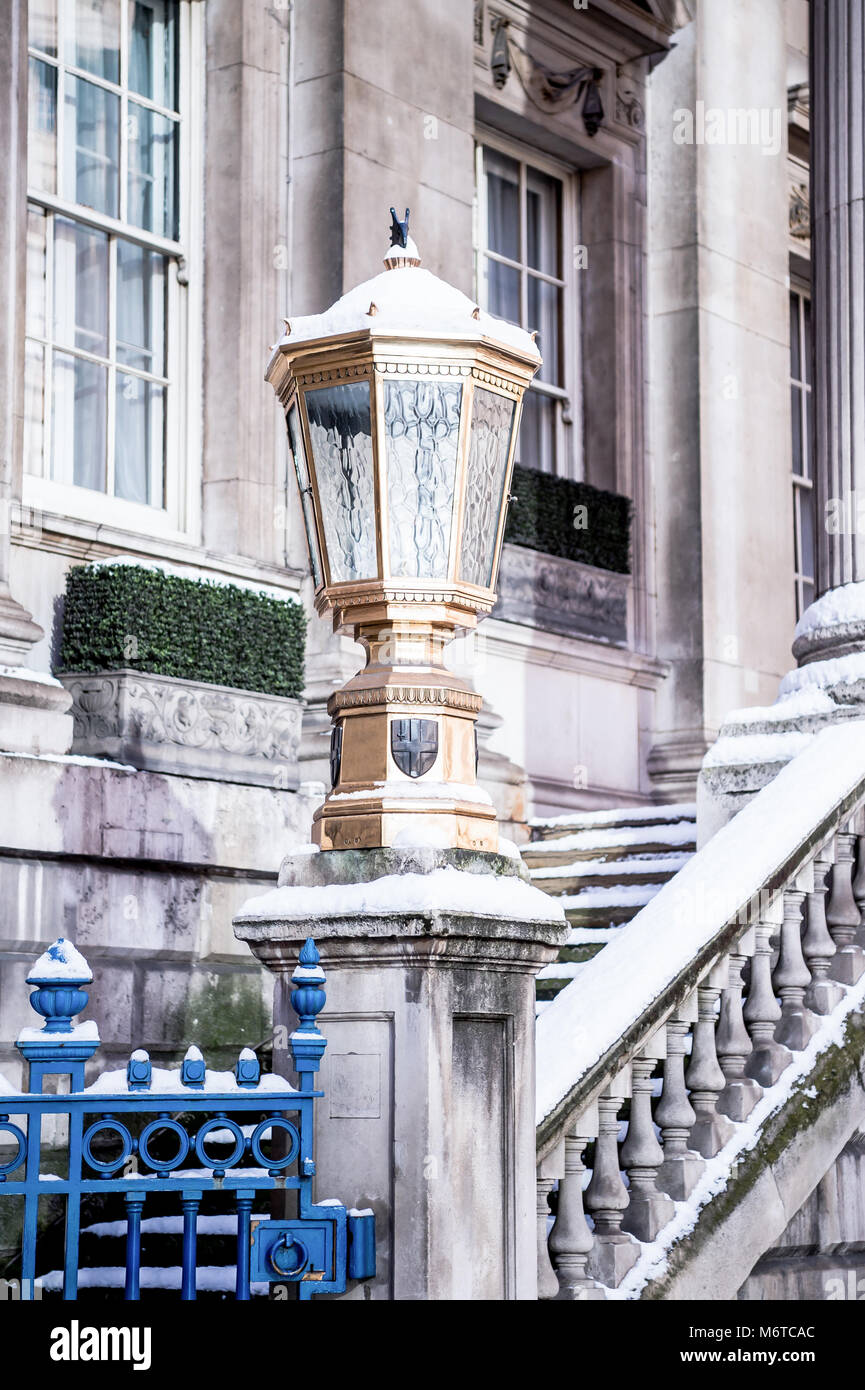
{"x":194,"y":729}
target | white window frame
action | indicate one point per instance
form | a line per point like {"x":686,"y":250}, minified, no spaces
{"x":179,"y":518}
{"x":803,"y":483}
{"x":568,"y":459}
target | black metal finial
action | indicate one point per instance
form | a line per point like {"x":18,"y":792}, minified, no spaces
{"x":398,"y":230}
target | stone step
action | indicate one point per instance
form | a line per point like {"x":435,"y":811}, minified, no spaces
{"x":566,"y":879}
{"x":610,"y":844}
{"x":604,"y":866}
{"x":612,"y":819}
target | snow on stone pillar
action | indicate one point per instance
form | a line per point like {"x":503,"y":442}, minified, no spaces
{"x":428,"y":1077}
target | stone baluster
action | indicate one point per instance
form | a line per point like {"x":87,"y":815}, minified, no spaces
{"x":614,"y":1250}
{"x":649,"y":1209}
{"x":818,"y":948}
{"x":762,"y":1012}
{"x":571,"y":1240}
{"x":842,"y":915}
{"x":704,"y":1077}
{"x":859,"y":887}
{"x":741,"y":1092}
{"x":681,"y":1170}
{"x":791,"y":978}
{"x":548,"y":1284}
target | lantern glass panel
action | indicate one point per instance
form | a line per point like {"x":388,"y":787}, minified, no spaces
{"x":341,"y":438}
{"x":489,"y":445}
{"x":422,"y":425}
{"x":298,"y":453}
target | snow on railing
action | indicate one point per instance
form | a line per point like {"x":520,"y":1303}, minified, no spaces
{"x":649,"y":1004}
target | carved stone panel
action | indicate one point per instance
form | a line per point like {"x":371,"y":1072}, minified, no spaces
{"x":563,"y":596}
{"x":190,"y":728}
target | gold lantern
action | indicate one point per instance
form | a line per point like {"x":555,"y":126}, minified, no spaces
{"x":403,"y":404}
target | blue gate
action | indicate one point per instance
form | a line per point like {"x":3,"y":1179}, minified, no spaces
{"x":162,"y":1127}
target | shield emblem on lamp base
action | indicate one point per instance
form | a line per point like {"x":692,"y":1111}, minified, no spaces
{"x":414,"y":745}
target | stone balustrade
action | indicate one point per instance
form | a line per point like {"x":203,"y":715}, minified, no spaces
{"x":705,"y":1066}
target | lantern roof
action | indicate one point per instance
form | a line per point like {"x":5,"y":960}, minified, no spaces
{"x":406,"y":301}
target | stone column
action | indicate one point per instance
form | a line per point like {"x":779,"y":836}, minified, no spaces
{"x":429,"y":1076}
{"x":33,"y":716}
{"x":837,"y":250}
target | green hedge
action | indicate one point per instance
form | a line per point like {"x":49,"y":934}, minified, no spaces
{"x":125,"y":616}
{"x":544,"y":516}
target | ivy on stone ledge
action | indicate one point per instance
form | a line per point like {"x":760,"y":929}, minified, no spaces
{"x":127,"y":617}
{"x":546,"y":516}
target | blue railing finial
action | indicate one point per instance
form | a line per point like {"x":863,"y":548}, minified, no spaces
{"x":307,"y":999}
{"x":60,"y":972}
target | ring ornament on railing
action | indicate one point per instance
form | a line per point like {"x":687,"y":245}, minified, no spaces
{"x":219,"y":1165}
{"x":160,"y":1166}
{"x":20,"y":1139}
{"x":108,"y":1165}
{"x":275,"y":1165}
{"x":289,"y":1257}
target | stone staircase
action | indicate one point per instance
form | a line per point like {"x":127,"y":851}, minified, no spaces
{"x":605,"y":866}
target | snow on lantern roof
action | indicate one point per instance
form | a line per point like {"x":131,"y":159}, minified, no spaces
{"x":406,"y":301}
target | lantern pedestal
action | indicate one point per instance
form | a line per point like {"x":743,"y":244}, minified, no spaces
{"x":430,"y":957}
{"x":404,"y":746}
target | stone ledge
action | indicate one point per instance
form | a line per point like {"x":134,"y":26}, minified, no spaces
{"x":185,"y":727}
{"x":562,"y":596}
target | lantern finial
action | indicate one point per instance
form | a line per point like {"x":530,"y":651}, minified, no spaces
{"x":402,"y":250}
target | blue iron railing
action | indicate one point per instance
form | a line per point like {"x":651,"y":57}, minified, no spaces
{"x":161,"y":1127}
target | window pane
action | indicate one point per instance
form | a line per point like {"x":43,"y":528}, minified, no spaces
{"x":536,"y":441}
{"x":152,"y":39}
{"x":422,"y":422}
{"x":806,"y":345}
{"x":503,"y":204}
{"x":544,"y":302}
{"x":503,"y":291}
{"x":42,"y":25}
{"x":139,"y":440}
{"x":80,"y":287}
{"x":42,"y":127}
{"x":492,"y":421}
{"x":796,"y":421}
{"x":140,"y":308}
{"x":806,"y":560}
{"x":543,"y":220}
{"x":152,"y":171}
{"x":90,"y":157}
{"x":78,"y":425}
{"x":795,"y":346}
{"x":93,"y":36}
{"x":34,"y":408}
{"x":341,"y":437}
{"x":807,"y":596}
{"x":37,"y":225}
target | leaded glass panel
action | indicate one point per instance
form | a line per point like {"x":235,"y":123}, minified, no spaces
{"x":422,"y":422}
{"x":298,"y":453}
{"x":489,"y":443}
{"x":341,"y":438}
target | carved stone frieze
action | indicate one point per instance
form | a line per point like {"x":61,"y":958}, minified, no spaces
{"x":191,"y":728}
{"x":406,"y":695}
{"x":563,"y":596}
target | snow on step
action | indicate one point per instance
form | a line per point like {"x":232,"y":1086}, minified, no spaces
{"x":543,"y":829}
{"x":603,"y":867}
{"x":208,"y":1279}
{"x":613,"y":842}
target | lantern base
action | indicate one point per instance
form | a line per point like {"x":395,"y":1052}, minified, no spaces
{"x":381,"y":819}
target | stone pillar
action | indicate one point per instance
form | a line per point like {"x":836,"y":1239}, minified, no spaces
{"x":33,"y":713}
{"x":429,"y":1071}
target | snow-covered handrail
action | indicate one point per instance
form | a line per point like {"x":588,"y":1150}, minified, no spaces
{"x":633,"y":1005}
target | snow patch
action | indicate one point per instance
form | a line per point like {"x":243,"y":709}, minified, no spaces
{"x":61,"y":961}
{"x":410,"y":790}
{"x":824,"y":674}
{"x":24,"y":673}
{"x":843,"y":605}
{"x":441,"y":890}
